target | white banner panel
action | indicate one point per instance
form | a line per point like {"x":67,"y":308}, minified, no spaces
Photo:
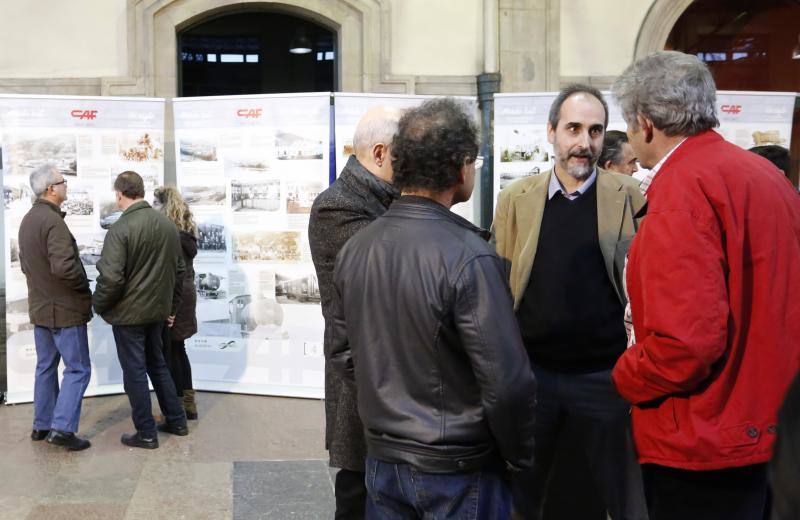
{"x":250,"y":167}
{"x":348,"y":109}
{"x":90,"y":140}
{"x":751,"y":119}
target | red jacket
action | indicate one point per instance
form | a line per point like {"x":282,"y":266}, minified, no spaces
{"x":714,"y":284}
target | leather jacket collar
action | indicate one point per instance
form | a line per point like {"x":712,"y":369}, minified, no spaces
{"x":414,"y":206}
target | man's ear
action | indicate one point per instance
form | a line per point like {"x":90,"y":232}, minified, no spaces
{"x":551,"y":133}
{"x":380,"y":154}
{"x":647,"y":127}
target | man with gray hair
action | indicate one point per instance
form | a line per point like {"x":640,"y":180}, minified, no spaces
{"x":362,"y":193}
{"x":712,"y":276}
{"x":59,"y":306}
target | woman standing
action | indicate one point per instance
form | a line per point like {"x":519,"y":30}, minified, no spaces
{"x":169,"y":202}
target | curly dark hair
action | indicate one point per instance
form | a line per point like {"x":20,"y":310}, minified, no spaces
{"x":431,"y":145}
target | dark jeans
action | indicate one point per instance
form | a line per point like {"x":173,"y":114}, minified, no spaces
{"x":351,"y":495}
{"x":398,"y":491}
{"x":177,"y":362}
{"x":590,"y":403}
{"x":140,"y":355}
{"x":725,"y":494}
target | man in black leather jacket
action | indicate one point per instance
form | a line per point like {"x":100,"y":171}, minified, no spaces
{"x":423,"y":324}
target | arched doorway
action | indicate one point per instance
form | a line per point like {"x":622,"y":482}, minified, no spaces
{"x":255,"y":53}
{"x":748,"y":45}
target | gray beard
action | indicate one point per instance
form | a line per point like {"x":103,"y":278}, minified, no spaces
{"x":580,"y":173}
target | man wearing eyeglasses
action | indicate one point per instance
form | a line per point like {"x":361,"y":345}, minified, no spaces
{"x":59,"y":305}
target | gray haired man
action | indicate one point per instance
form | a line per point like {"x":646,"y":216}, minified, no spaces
{"x":361,"y":194}
{"x":59,"y":306}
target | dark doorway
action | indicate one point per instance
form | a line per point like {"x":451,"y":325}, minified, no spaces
{"x":249,"y":53}
{"x":748,"y":45}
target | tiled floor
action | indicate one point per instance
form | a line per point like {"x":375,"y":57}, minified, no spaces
{"x":248,"y":457}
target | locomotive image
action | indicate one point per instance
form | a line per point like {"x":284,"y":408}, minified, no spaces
{"x":208,"y":285}
{"x":298,"y":290}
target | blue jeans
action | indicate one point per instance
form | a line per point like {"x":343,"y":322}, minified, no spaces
{"x":398,"y":491}
{"x":54,"y":408}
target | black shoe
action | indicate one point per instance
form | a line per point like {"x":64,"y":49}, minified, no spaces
{"x":173,"y":428}
{"x":68,"y":440}
{"x":191,"y":416}
{"x":39,"y":435}
{"x":137,"y":440}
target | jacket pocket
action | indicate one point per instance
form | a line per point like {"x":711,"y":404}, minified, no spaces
{"x":743,"y":434}
{"x":667,"y":416}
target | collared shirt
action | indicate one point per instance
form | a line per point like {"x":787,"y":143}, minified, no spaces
{"x":556,"y":187}
{"x":648,"y":177}
{"x":644,"y":186}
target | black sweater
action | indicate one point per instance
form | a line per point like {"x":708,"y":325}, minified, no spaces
{"x":570,"y":316}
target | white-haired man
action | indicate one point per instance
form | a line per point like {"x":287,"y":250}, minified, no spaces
{"x":713,"y":279}
{"x":59,"y":306}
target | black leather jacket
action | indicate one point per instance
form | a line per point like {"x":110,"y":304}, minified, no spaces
{"x":424,"y":324}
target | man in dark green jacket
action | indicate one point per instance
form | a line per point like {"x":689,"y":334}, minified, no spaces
{"x":59,"y":306}
{"x":137,"y":294}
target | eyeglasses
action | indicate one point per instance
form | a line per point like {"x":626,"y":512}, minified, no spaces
{"x":64,"y":181}
{"x":479,"y":162}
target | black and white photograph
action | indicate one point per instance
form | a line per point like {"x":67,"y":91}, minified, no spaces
{"x":256,"y":196}
{"x":195,"y":149}
{"x":14,"y":252}
{"x":89,"y":248}
{"x":507,"y":178}
{"x":80,"y":202}
{"x":291,"y":146}
{"x":523,"y":145}
{"x":17,"y":194}
{"x":300,"y":196}
{"x":25,"y":153}
{"x":290,"y":288}
{"x":237,"y":164}
{"x":212,"y":195}
{"x":211,"y":285}
{"x":211,"y":235}
{"x":267,"y":246}
{"x":143,"y":147}
{"x":109,"y":213}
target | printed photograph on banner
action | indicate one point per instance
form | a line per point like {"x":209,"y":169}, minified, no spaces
{"x":522,"y":151}
{"x":19,"y":333}
{"x":141,"y":147}
{"x":13,"y":250}
{"x":247,"y":165}
{"x":80,"y":200}
{"x":249,"y":196}
{"x":212,"y":242}
{"x":90,"y":247}
{"x":204,"y":195}
{"x":17,"y":196}
{"x":294,"y":144}
{"x":293,"y":286}
{"x":108,"y":211}
{"x":197,"y":149}
{"x":27,"y":151}
{"x":300,"y":195}
{"x":267,"y":246}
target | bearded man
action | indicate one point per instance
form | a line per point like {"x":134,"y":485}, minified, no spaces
{"x":564,"y":233}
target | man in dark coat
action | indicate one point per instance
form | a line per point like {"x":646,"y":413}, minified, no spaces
{"x":361,"y":194}
{"x":59,"y":305}
{"x":138,"y":288}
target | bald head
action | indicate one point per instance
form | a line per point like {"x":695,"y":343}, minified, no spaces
{"x":372,"y":139}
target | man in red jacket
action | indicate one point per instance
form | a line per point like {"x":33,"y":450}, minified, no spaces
{"x":713,"y":277}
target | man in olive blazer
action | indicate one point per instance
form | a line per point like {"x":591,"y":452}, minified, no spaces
{"x":518,"y":217}
{"x":563,"y":234}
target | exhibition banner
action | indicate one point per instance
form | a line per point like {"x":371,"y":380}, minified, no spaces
{"x":350,"y":107}
{"x":250,"y":168}
{"x":90,"y":140}
{"x":750,"y":119}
